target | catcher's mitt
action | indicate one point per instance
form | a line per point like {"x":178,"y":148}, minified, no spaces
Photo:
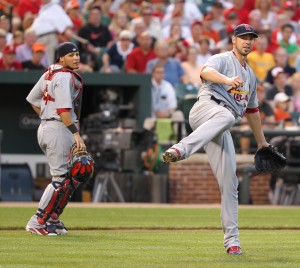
{"x":268,"y":159}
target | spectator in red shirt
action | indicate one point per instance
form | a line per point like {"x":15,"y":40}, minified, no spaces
{"x":138,"y":58}
{"x":249,"y":5}
{"x":241,"y":9}
{"x":28,"y":6}
{"x":8,"y":61}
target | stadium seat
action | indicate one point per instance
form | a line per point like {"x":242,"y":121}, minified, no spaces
{"x":164,"y":130}
{"x":16,"y":182}
{"x":184,"y":91}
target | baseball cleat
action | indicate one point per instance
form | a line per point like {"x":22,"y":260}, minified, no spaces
{"x":60,"y":228}
{"x":235,"y":250}
{"x":171,"y":155}
{"x":42,"y":231}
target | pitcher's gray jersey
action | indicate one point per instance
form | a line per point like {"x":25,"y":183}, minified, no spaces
{"x":238,"y":98}
{"x":52,"y":84}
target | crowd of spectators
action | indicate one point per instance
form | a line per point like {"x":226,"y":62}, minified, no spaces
{"x":133,"y":36}
{"x":169,"y":39}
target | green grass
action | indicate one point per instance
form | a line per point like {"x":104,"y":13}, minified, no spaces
{"x":152,"y":237}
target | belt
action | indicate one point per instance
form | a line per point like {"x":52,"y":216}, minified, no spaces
{"x":216,"y":100}
{"x":44,"y":34}
{"x":60,"y":176}
{"x":51,"y":119}
{"x":224,"y":105}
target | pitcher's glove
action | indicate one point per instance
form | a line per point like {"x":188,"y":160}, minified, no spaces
{"x":268,"y":159}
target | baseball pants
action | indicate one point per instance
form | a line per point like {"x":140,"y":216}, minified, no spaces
{"x":211,"y":123}
{"x":55,"y":140}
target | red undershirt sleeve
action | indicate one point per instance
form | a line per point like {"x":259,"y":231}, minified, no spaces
{"x":61,"y":110}
{"x":251,"y":110}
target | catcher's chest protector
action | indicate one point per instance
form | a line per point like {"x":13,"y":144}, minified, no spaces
{"x":76,"y":81}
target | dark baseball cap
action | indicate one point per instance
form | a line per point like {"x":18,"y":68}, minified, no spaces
{"x":244,"y":29}
{"x":217,"y":5}
{"x":64,"y":49}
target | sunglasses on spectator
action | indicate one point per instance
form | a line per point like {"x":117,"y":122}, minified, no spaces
{"x":125,"y":39}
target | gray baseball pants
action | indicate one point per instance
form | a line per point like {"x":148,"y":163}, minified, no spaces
{"x":55,"y":140}
{"x":211,"y":123}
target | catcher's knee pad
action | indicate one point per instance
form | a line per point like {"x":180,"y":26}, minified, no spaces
{"x":81,"y":165}
{"x":56,"y":194}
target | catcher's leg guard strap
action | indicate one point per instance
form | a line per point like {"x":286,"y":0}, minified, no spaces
{"x":69,"y":187}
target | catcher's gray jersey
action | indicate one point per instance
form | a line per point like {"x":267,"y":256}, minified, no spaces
{"x":238,"y":98}
{"x":56,"y":90}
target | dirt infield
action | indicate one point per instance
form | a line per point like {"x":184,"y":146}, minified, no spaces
{"x":139,"y":205}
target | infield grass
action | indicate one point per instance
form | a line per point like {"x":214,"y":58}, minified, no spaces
{"x":151,"y":237}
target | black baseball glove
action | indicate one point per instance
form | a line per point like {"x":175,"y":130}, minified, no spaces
{"x":268,"y":159}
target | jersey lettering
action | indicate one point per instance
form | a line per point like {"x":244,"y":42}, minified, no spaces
{"x":240,"y":96}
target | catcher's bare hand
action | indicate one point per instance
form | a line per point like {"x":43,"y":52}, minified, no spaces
{"x":79,"y":142}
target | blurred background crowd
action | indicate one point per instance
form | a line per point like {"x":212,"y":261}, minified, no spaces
{"x":130,"y":36}
{"x":169,"y":39}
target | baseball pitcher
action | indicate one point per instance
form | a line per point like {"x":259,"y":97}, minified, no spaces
{"x":228,"y":92}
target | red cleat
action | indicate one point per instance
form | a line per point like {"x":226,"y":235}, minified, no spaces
{"x":41,"y":231}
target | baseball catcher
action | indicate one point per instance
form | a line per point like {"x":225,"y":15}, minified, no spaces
{"x":268,"y":159}
{"x":56,"y":98}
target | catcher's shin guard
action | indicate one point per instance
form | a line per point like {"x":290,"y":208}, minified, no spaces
{"x":56,"y":195}
{"x":70,"y":189}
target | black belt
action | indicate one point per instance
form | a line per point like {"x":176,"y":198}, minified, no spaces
{"x":60,"y":176}
{"x":51,"y":119}
{"x":215,"y":99}
{"x":224,"y":105}
{"x":212,"y":97}
{"x":41,"y":35}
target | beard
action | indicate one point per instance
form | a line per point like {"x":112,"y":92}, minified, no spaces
{"x":243,"y":52}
